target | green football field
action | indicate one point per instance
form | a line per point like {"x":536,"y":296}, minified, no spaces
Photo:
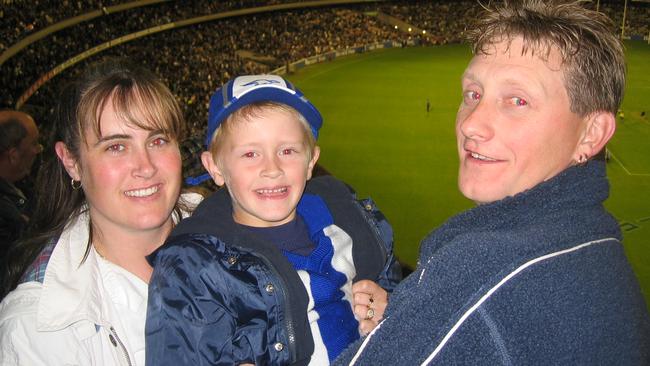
{"x":379,"y":138}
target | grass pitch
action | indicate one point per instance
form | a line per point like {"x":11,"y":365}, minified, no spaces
{"x":379,"y":138}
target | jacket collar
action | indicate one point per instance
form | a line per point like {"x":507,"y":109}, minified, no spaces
{"x":9,"y":189}
{"x":71,"y":289}
{"x":74,"y":291}
{"x":571,"y":203}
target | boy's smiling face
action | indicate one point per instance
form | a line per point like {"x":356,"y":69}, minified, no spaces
{"x":265,"y":163}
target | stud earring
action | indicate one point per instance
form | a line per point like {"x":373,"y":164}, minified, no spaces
{"x":582,"y":159}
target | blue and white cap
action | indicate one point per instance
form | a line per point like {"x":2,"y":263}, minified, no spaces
{"x":247,"y":89}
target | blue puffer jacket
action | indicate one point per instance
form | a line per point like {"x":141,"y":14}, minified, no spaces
{"x":216,"y":287}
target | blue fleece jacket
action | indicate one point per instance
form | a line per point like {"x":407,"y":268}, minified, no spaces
{"x":538,"y":278}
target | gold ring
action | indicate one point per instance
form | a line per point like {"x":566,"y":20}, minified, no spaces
{"x":370,"y":313}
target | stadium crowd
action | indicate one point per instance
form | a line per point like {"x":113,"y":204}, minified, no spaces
{"x":196,"y":59}
{"x":442,"y":18}
{"x":21,"y":18}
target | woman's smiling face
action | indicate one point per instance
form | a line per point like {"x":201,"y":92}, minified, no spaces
{"x":131,"y":177}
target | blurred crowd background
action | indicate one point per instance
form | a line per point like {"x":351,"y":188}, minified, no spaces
{"x":196,"y":59}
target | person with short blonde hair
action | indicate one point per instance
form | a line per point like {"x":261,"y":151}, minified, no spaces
{"x":276,"y":268}
{"x":536,"y":274}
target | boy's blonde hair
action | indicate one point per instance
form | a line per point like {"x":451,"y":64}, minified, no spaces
{"x":255,"y":110}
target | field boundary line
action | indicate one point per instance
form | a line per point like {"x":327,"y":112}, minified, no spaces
{"x":624,"y":168}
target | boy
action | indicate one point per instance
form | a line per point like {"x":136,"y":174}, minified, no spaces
{"x":262,"y":272}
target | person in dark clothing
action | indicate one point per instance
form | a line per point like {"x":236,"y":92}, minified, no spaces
{"x":536,"y":274}
{"x":277,"y":268}
{"x":19,"y":147}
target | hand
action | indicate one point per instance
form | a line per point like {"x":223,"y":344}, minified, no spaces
{"x":370,"y":301}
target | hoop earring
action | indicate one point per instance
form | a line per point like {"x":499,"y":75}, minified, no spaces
{"x":76,"y":184}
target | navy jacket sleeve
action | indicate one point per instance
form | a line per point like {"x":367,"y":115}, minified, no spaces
{"x":192,"y":317}
{"x":391,"y":274}
{"x":368,"y":227}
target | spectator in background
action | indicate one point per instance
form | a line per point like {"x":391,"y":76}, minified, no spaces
{"x":535,"y":274}
{"x":18,"y":148}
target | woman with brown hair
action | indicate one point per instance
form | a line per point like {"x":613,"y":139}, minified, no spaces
{"x":109,"y":196}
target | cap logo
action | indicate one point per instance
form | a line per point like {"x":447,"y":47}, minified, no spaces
{"x":261,"y":82}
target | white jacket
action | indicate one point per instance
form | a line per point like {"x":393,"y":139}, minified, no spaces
{"x":88,"y":314}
